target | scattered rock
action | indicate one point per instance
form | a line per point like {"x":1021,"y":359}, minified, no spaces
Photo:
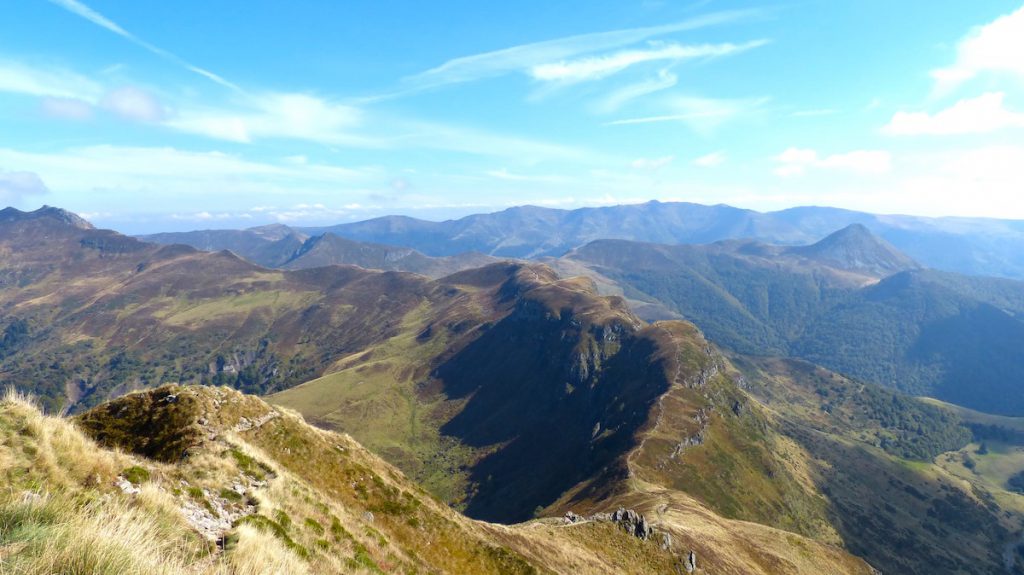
{"x":691,"y":562}
{"x":666,"y":541}
{"x":368,"y":517}
{"x":125,"y":486}
{"x":244,"y":424}
{"x":571,"y":518}
{"x":29,"y":497}
{"x":634,"y":523}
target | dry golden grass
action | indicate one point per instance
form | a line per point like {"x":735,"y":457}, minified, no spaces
{"x":61,"y":512}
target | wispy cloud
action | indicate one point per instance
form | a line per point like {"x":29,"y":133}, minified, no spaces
{"x":710,"y":160}
{"x":797,"y":161}
{"x":701,"y":114}
{"x":651,"y":164}
{"x":504,"y":174}
{"x":66,"y":108}
{"x":598,"y":67}
{"x":176,"y":173}
{"x":526,"y":57}
{"x":983,"y":114}
{"x":80,"y":9}
{"x":814,"y":113}
{"x":38,"y":80}
{"x":626,"y":94}
{"x":994,"y":47}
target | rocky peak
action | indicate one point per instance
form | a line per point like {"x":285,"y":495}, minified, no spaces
{"x":10,"y":215}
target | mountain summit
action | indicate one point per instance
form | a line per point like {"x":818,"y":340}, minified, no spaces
{"x":8,"y":215}
{"x":855,"y":248}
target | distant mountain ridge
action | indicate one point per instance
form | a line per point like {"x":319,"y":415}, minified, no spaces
{"x":976,"y":246}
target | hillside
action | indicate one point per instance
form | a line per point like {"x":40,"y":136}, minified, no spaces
{"x":224,"y":483}
{"x":849,"y":302}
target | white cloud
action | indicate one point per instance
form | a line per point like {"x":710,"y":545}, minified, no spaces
{"x":651,"y":163}
{"x":47,"y":82}
{"x":66,"y":108}
{"x":80,"y":9}
{"x":597,"y":67}
{"x":133,"y":103}
{"x":526,"y":56}
{"x":710,"y":160}
{"x":169,"y":174}
{"x":275,"y":115}
{"x":797,"y":161}
{"x":983,"y":114}
{"x":994,"y":47}
{"x":16,"y":185}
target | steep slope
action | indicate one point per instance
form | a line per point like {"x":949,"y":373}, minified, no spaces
{"x":849,"y":302}
{"x":224,"y":483}
{"x":883,"y":462}
{"x":915,"y":332}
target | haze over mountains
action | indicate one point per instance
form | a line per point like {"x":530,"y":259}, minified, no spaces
{"x":975,"y":246}
{"x":512,"y":390}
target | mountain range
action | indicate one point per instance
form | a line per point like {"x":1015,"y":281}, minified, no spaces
{"x":975,"y":246}
{"x":508,"y":392}
{"x":851,"y":300}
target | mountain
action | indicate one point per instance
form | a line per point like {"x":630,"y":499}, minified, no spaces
{"x":268,"y":246}
{"x":855,"y":248}
{"x":278,"y":246}
{"x":849,"y":302}
{"x":12,"y":215}
{"x":329,"y":249}
{"x":207,"y":480}
{"x":976,"y":246}
{"x":506,"y":391}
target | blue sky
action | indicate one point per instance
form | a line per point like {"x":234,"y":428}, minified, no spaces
{"x":148,"y":116}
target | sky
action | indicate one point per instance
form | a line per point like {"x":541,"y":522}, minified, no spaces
{"x":161,"y":116}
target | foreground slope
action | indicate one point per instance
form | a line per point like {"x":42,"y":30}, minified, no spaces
{"x":208,"y":480}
